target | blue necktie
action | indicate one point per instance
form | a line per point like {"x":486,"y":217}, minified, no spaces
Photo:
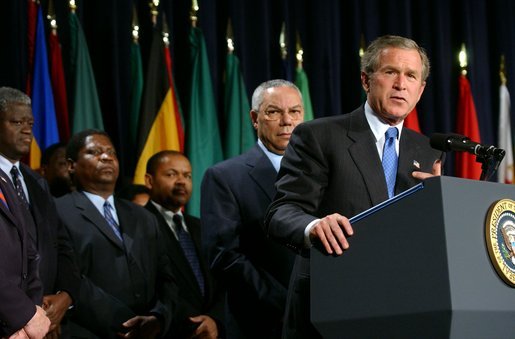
{"x":110,"y":219}
{"x":188,"y":247}
{"x":390,"y":160}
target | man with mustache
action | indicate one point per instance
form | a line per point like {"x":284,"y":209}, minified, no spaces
{"x":337,"y":167}
{"x":235,"y":195}
{"x":169,"y":180}
{"x":127,"y":287}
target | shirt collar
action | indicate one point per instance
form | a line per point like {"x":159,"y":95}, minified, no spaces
{"x":377,"y":126}
{"x":6,"y":166}
{"x":275,"y":159}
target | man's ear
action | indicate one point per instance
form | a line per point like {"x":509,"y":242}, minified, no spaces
{"x":365,"y":81}
{"x":253,"y":117}
{"x":71,"y":166}
{"x":148,"y":181}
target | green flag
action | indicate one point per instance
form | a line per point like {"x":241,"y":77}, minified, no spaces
{"x":239,"y":134}
{"x":136,"y":91}
{"x":301,"y":80}
{"x":203,"y":144}
{"x":86,"y":107}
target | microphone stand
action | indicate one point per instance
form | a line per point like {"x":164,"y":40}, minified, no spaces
{"x":490,"y":163}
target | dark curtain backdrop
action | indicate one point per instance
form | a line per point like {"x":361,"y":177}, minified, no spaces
{"x":330,"y":31}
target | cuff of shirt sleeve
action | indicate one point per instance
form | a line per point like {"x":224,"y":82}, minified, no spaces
{"x":307,"y":241}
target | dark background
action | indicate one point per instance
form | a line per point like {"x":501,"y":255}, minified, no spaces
{"x":330,"y":31}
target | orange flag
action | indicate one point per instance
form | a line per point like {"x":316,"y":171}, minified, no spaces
{"x":467,"y":125}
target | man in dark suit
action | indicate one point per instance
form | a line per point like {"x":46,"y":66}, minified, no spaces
{"x":235,"y":195}
{"x":169,"y":179}
{"x":20,"y":288}
{"x":332,"y":169}
{"x":57,"y":268}
{"x":126,"y":285}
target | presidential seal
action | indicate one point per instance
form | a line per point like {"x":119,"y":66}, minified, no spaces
{"x":500,"y":239}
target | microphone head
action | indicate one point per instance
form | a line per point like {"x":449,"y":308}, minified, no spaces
{"x":440,"y":142}
{"x":444,"y":141}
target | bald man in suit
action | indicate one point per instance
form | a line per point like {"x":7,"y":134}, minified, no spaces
{"x":235,"y":195}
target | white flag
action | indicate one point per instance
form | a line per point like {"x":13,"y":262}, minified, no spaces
{"x":505,"y":171}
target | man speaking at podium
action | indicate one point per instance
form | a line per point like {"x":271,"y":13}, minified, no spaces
{"x":337,"y":167}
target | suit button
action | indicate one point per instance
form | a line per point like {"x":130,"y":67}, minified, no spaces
{"x":24,"y":275}
{"x":137,"y":295}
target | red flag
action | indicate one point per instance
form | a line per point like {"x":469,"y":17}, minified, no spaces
{"x":467,"y":125}
{"x":411,"y":121}
{"x":178,"y":118}
{"x":32,"y":10}
{"x":59,"y":86}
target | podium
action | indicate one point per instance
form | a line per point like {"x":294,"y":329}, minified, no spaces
{"x":417,"y":267}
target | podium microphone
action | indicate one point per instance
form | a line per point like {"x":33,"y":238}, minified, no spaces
{"x":460,"y":143}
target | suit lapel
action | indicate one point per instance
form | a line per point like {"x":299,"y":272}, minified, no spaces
{"x":35,"y":194}
{"x":10,"y":196}
{"x":89,"y":211}
{"x":262,"y":171}
{"x":126,"y":219}
{"x":370,"y":167}
{"x":409,"y":152}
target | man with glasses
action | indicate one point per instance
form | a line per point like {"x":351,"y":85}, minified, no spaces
{"x":234,"y":196}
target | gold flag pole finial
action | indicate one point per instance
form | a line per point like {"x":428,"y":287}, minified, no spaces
{"x":194,"y":13}
{"x":72,"y":5}
{"x":154,"y":11}
{"x":299,"y":55}
{"x":462,"y":57}
{"x":362,"y":46}
{"x":165,"y":32}
{"x":51,"y":17}
{"x":283,"y":45}
{"x":502,"y":70}
{"x":135,"y":25}
{"x":229,"y":37}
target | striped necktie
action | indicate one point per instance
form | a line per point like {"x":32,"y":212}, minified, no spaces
{"x":18,"y":187}
{"x":111,"y":221}
{"x":2,"y":199}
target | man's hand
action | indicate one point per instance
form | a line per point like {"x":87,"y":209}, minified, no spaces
{"x":206,"y":329}
{"x":38,"y":326}
{"x":56,"y":306}
{"x":436,"y":171}
{"x":141,"y":327}
{"x":331,"y":231}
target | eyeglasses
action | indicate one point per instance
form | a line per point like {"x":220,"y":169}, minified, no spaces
{"x":276,"y":114}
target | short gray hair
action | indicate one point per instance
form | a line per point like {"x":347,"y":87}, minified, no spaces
{"x":370,"y":60}
{"x":9,"y":96}
{"x":257,"y":96}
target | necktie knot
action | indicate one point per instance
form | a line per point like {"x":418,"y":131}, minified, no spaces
{"x":177,"y":220}
{"x":391,"y":133}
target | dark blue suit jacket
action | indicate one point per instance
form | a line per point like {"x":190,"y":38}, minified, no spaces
{"x":119,"y":280}
{"x":332,"y":165}
{"x":191,"y":301}
{"x":255,"y":270}
{"x":58,"y":269}
{"x":20,"y":287}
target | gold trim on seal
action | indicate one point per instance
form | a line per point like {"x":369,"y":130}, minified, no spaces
{"x":500,"y":239}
